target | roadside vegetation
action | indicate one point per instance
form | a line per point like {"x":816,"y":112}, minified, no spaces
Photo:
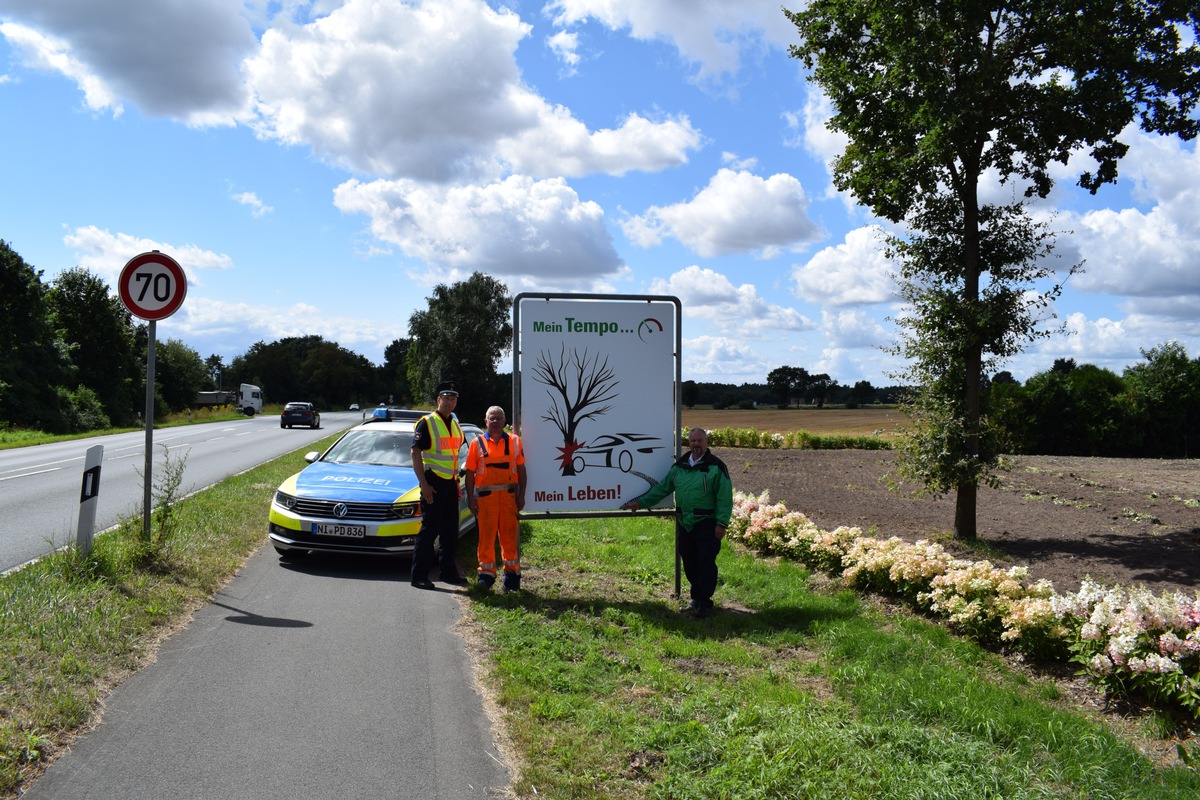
{"x":24,"y":437}
{"x":797,"y":687}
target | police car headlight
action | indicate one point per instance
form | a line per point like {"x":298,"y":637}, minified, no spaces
{"x":406,"y":510}
{"x":286,"y":500}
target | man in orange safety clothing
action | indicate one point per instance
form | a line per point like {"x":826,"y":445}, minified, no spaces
{"x":496,"y":493}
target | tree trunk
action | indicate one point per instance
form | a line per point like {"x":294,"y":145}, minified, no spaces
{"x":965,"y":512}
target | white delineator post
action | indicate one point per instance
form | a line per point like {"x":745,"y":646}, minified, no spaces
{"x":89,"y":496}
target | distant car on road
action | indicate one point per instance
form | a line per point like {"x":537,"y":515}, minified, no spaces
{"x":299,"y":414}
{"x":361,"y":495}
{"x":613,"y":451}
{"x":354,"y":406}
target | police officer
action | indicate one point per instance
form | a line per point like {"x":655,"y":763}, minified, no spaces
{"x":436,"y":441}
{"x":496,"y":493}
{"x":704,"y":498}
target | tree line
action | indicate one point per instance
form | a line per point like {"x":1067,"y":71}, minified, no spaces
{"x":73,"y":359}
{"x":1151,"y":410}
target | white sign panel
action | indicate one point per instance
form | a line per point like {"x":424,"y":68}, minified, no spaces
{"x":598,"y":406}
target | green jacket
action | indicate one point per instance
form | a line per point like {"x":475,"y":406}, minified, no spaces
{"x":701,"y":492}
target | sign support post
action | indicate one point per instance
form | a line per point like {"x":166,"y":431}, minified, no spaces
{"x":152,"y":287}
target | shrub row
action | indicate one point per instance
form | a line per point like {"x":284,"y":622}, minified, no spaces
{"x":1126,"y":640}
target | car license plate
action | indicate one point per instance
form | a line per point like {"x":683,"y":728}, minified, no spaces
{"x":328,"y":529}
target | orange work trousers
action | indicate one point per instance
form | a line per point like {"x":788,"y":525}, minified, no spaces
{"x":498,"y":517}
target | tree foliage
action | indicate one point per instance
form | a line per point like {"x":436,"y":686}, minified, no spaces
{"x":787,"y":383}
{"x":102,"y":337}
{"x":933,"y":96}
{"x":1151,"y":410}
{"x":33,"y":359}
{"x":179,"y":373}
{"x":460,"y":337}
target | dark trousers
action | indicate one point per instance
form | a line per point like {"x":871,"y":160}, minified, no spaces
{"x":439,"y":520}
{"x":698,"y":550}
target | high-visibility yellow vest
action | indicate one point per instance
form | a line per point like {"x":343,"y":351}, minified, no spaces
{"x":442,"y":456}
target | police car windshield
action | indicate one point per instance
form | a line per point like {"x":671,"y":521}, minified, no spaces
{"x":367,"y":446}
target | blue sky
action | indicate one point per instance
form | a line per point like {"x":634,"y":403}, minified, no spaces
{"x":318,"y":167}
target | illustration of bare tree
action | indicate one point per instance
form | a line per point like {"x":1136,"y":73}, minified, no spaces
{"x":580,"y":387}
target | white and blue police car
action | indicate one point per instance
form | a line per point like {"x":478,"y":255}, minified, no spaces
{"x":361,"y":495}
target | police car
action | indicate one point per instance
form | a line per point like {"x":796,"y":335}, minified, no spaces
{"x":361,"y":495}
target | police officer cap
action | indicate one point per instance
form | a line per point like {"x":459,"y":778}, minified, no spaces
{"x":448,"y":387}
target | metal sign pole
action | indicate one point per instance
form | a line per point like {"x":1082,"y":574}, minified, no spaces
{"x":147,"y":482}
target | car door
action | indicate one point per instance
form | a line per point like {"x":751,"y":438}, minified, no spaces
{"x":466,"y":520}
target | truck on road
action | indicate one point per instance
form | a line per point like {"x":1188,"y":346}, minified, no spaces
{"x":247,"y":398}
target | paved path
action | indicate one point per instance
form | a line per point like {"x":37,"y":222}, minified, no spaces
{"x":334,"y":679}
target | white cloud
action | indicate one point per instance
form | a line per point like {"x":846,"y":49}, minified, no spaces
{"x":432,"y":91}
{"x":850,"y":273}
{"x":565,"y":45}
{"x":739,"y":310}
{"x":49,"y":53}
{"x":177,"y":60}
{"x":257,"y":207}
{"x":713,"y":34}
{"x":106,"y":253}
{"x":227,"y":327}
{"x":722,"y":360}
{"x":736,"y":212}
{"x":517,"y":226}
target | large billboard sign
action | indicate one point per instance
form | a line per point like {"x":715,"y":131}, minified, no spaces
{"x":596,"y":397}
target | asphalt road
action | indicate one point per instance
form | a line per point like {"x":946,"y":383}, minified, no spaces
{"x":332,"y":679}
{"x":40,"y":486}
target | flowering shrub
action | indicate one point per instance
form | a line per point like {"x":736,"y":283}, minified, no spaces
{"x":1130,"y":640}
{"x":1126,"y":640}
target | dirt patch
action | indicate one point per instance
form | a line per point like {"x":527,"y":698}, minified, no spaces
{"x":1120,"y":521}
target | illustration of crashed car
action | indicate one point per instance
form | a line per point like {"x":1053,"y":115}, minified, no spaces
{"x":613,"y":450}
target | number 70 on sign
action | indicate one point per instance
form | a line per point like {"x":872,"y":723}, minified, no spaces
{"x":152,"y":285}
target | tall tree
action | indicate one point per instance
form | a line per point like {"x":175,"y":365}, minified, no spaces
{"x":787,"y":383}
{"x":215,"y":366}
{"x":33,"y":360}
{"x":1165,"y":391}
{"x":179,"y":373}
{"x":461,"y":337}
{"x":394,"y":372}
{"x":100,"y":333}
{"x":933,"y":96}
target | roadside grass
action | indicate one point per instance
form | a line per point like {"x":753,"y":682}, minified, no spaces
{"x":24,"y":437}
{"x":792,"y":689}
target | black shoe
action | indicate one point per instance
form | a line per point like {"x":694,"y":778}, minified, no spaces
{"x":486,"y":581}
{"x":422,"y":584}
{"x":702,"y":612}
{"x":455,"y":580}
{"x":512,"y":582}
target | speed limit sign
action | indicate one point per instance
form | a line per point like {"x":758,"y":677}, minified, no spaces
{"x":153,"y":285}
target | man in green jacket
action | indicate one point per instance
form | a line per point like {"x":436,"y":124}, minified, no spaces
{"x":704,"y":499}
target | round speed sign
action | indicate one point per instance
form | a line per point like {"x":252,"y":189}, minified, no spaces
{"x":153,"y":285}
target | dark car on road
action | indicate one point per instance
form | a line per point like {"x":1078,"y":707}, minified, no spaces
{"x":299,"y":414}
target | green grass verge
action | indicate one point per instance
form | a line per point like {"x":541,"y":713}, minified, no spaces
{"x":607,"y":691}
{"x":610,"y":692}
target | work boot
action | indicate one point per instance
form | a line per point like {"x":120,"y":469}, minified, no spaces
{"x":485,"y":580}
{"x":512,"y":581}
